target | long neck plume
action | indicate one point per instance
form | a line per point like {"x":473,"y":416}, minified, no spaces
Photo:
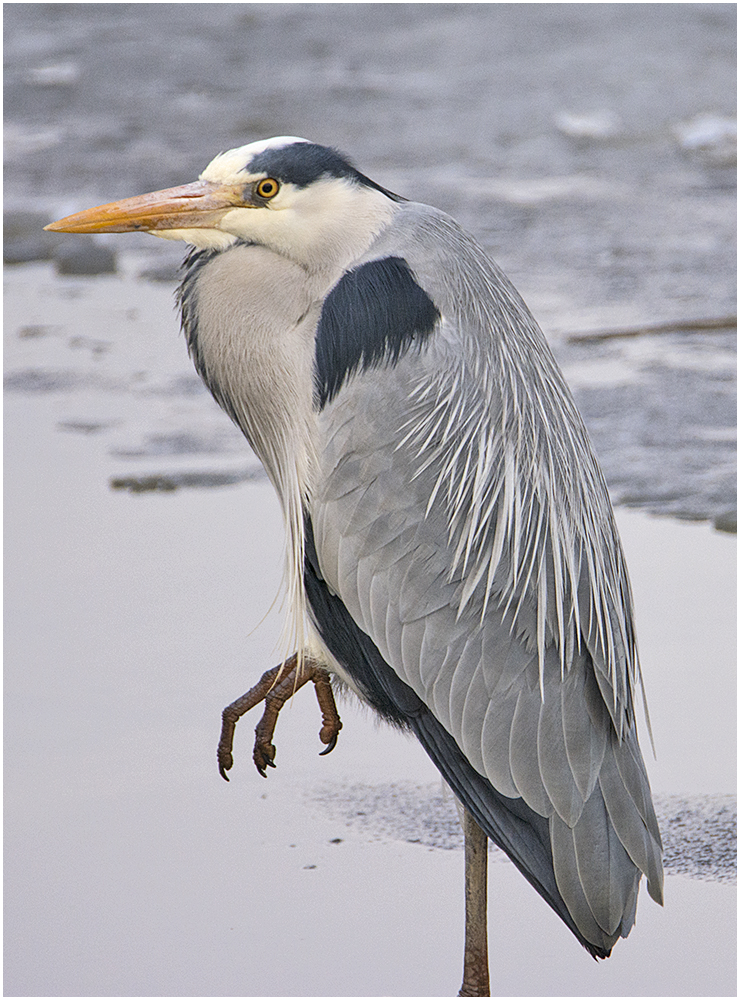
{"x":253,"y":344}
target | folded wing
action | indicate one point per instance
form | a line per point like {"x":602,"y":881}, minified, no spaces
{"x":464,"y":568}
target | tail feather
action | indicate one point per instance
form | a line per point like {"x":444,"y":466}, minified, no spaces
{"x":640,"y":838}
{"x":566,"y":874}
{"x":604,"y":867}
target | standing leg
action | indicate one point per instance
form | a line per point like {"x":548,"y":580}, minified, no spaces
{"x":475,"y":971}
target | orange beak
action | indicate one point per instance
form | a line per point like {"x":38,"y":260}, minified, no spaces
{"x":191,"y":206}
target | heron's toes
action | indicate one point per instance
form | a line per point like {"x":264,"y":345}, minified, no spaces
{"x":264,"y":757}
{"x":329,"y":732}
{"x":330,"y":747}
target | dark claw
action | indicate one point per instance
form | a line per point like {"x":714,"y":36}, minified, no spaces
{"x":262,"y":759}
{"x":225,"y":764}
{"x":323,"y":753}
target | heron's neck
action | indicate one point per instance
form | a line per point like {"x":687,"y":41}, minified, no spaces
{"x":249,"y":316}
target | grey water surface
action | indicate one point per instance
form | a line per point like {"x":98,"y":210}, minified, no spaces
{"x":591,"y":150}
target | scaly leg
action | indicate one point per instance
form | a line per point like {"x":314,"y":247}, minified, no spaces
{"x":275,"y":687}
{"x":476,"y":982}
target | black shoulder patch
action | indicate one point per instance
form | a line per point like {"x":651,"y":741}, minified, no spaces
{"x":374,"y":315}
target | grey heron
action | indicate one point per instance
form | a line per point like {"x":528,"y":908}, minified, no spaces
{"x":452,"y":553}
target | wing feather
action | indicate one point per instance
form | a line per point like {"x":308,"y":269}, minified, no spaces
{"x":465,"y":668}
{"x":585,"y":738}
{"x":412,"y":637}
{"x":604,"y":867}
{"x":523,"y":758}
{"x":475,"y":705}
{"x":379,"y":608}
{"x":552,"y":758}
{"x":385,"y":547}
{"x":569,"y":883}
{"x":495,"y":742}
{"x":641,"y":845}
{"x":364,"y":574}
{"x":632,"y":772}
{"x":393,"y":636}
{"x":439,"y":694}
{"x":423,"y":589}
{"x":506,"y":658}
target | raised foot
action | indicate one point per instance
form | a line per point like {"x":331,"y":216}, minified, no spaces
{"x":275,"y":687}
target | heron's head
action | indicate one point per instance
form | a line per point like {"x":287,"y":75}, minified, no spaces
{"x":303,"y":200}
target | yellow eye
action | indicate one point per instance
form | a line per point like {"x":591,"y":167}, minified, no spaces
{"x":268,"y":188}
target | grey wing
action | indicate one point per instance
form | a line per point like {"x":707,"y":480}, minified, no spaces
{"x":461,"y":541}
